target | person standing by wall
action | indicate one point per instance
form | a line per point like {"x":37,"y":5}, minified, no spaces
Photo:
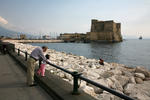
{"x":35,"y":55}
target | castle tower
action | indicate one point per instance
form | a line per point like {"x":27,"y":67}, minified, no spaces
{"x":105,"y":31}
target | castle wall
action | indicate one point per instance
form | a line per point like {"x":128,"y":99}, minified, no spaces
{"x":108,"y":26}
{"x":94,"y":36}
{"x":105,"y":30}
{"x":117,"y":32}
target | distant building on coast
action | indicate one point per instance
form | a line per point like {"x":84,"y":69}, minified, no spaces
{"x":46,"y":37}
{"x":23,"y":36}
{"x":105,"y":31}
{"x":72,"y":37}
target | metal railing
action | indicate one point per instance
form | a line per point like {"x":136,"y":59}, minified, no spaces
{"x":77,"y":76}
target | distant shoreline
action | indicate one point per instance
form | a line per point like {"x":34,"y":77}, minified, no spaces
{"x":36,"y":41}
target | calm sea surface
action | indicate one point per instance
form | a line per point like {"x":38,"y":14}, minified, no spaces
{"x":130,"y":52}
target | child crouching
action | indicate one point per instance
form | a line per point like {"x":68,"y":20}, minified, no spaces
{"x":41,"y":70}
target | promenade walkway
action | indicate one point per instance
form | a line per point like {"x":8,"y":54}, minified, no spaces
{"x":13,"y":83}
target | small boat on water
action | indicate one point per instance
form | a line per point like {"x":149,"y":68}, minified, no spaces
{"x":140,"y":38}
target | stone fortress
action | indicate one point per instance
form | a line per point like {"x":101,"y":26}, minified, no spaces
{"x":104,"y":31}
{"x":101,"y":31}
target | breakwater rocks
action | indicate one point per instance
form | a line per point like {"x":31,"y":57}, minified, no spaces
{"x":134,"y":82}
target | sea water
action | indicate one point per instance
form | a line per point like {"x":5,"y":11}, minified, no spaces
{"x":131,"y":52}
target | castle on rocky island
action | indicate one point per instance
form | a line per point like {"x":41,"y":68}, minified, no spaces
{"x":104,"y":31}
{"x":107,"y":31}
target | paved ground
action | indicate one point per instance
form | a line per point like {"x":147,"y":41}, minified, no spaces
{"x":13,"y":83}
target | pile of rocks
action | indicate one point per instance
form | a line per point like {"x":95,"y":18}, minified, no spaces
{"x":134,"y":82}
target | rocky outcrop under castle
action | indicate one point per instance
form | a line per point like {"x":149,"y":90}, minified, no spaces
{"x":134,"y":82}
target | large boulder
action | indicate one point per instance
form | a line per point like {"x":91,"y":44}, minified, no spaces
{"x":116,"y":71}
{"x":105,"y":96}
{"x":138,"y":80}
{"x":147,"y":79}
{"x":116,"y":84}
{"x":140,"y":75}
{"x":98,"y":90}
{"x":107,"y":74}
{"x":82,"y":57}
{"x":89,"y":90}
{"x":146,"y":72}
{"x":82,"y":84}
{"x":105,"y":82}
{"x":65,"y":64}
{"x":108,"y":96}
{"x":92,"y":65}
{"x":132,"y":80}
{"x":123,"y":80}
{"x":128,"y":88}
{"x":67,"y":76}
{"x":138,"y":91}
{"x":120,"y":80}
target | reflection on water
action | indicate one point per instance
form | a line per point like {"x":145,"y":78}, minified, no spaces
{"x":129,"y":52}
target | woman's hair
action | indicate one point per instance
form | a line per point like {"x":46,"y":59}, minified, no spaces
{"x":47,"y":56}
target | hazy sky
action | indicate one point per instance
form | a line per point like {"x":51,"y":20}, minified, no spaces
{"x":38,"y":16}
